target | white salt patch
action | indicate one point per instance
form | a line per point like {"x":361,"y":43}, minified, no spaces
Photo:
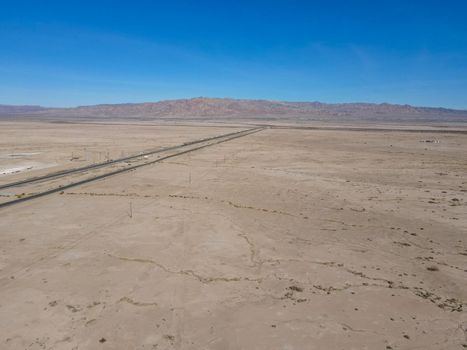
{"x":14,"y":170}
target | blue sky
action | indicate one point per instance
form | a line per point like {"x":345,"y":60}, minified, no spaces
{"x":67,"y":53}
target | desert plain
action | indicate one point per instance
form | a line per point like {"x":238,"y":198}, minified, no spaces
{"x":287,"y":238}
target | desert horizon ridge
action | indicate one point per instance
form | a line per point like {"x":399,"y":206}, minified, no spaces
{"x":224,"y":108}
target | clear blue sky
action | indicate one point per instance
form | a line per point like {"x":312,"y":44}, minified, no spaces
{"x":67,"y":53}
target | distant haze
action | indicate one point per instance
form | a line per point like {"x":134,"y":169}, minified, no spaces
{"x":226,"y":108}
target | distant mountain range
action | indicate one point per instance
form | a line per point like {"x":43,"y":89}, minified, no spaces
{"x":228,"y":109}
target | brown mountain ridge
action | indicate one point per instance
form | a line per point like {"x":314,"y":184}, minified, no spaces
{"x":227,"y":108}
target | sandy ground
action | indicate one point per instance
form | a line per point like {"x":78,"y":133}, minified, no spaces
{"x":31,"y":149}
{"x":284,"y":239}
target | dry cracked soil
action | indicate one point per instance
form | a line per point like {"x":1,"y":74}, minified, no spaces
{"x":284,"y":239}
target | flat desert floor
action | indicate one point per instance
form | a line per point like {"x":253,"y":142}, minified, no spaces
{"x":282,"y":239}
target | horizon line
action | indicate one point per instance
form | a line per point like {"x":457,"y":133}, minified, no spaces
{"x":236,"y":99}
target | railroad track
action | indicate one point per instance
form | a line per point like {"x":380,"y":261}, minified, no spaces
{"x":173,"y":151}
{"x":113,"y":161}
{"x":366,"y":129}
